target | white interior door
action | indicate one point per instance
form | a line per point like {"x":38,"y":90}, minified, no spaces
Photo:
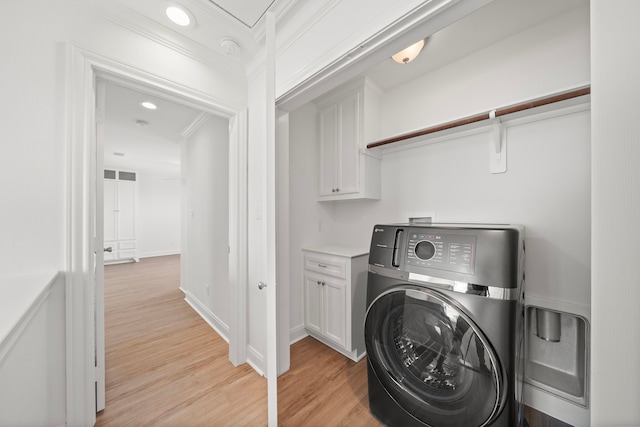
{"x":99,"y":248}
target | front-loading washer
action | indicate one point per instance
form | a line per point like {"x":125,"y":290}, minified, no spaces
{"x":444,"y":325}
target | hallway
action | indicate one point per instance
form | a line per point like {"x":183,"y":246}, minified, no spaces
{"x":164,"y":365}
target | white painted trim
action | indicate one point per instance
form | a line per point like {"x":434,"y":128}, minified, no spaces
{"x":79,"y":294}
{"x":297,"y":333}
{"x":271,"y":224}
{"x":283,"y":240}
{"x":255,"y":360}
{"x":134,"y":78}
{"x":207,"y":315}
{"x":43,"y":285}
{"x":195,"y":125}
{"x":83,"y":67}
{"x":154,"y":254}
{"x":238,"y":236}
{"x":256,"y":66}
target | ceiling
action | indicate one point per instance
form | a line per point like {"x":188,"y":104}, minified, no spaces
{"x":215,"y":20}
{"x":151,"y":146}
{"x":247,"y":12}
{"x":242,"y":21}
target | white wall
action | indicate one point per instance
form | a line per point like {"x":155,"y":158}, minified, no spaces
{"x":615,"y":348}
{"x":547,"y":58}
{"x":305,"y":212}
{"x":34,"y":128}
{"x":158,"y":221}
{"x":205,"y":254}
{"x":32,"y":358}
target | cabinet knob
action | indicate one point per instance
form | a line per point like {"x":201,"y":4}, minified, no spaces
{"x":318,"y":282}
{"x":337,"y":190}
{"x":333,"y":190}
{"x":261,"y":285}
{"x":323,"y":283}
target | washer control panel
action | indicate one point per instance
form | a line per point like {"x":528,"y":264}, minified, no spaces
{"x":452,"y":252}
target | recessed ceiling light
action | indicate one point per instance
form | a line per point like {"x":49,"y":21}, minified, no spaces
{"x":180,"y":16}
{"x":149,"y":105}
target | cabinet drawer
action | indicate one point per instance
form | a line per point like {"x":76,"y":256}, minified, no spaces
{"x":332,"y":266}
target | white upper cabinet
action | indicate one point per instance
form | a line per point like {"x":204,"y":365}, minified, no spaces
{"x":347,"y":121}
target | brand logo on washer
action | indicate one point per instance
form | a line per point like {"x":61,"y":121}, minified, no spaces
{"x":375,"y":230}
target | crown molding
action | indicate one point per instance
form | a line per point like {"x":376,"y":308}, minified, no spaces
{"x":195,"y":125}
{"x":283,"y":10}
{"x":149,"y":29}
{"x":306,"y":17}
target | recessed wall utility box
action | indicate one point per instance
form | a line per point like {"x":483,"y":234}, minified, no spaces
{"x":557,"y":353}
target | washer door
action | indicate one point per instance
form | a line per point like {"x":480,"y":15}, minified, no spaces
{"x":432,"y":358}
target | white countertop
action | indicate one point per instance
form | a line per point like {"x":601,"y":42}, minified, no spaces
{"x":339,"y":250}
{"x":17,"y":295}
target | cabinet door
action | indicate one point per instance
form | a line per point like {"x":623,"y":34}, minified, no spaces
{"x":313,"y":304}
{"x":126,"y":208}
{"x":335,"y":311}
{"x":328,"y":125}
{"x":347,"y":164}
{"x":110,"y":206}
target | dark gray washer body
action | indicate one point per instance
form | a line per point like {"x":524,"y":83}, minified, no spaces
{"x":439,"y":261}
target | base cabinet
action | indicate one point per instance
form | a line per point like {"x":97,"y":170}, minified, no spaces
{"x":335,"y":297}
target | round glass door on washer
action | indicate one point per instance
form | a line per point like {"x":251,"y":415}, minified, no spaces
{"x":441,"y":341}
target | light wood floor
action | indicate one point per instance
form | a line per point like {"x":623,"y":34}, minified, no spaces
{"x":166,"y":367}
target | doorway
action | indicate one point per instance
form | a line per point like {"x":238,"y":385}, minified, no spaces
{"x":86,"y":68}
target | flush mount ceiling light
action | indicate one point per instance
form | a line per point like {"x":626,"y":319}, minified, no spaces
{"x":409,"y":54}
{"x":149,"y":105}
{"x":180,"y":16}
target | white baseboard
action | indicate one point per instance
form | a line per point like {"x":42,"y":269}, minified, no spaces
{"x":219,"y":326}
{"x":255,"y":360}
{"x":297,"y":333}
{"x":159,"y":253}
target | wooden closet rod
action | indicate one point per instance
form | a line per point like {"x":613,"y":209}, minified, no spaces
{"x":562,"y":96}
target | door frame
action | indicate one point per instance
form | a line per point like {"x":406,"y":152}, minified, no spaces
{"x":83,"y":68}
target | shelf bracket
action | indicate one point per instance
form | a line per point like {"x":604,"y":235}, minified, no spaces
{"x":497,"y":145}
